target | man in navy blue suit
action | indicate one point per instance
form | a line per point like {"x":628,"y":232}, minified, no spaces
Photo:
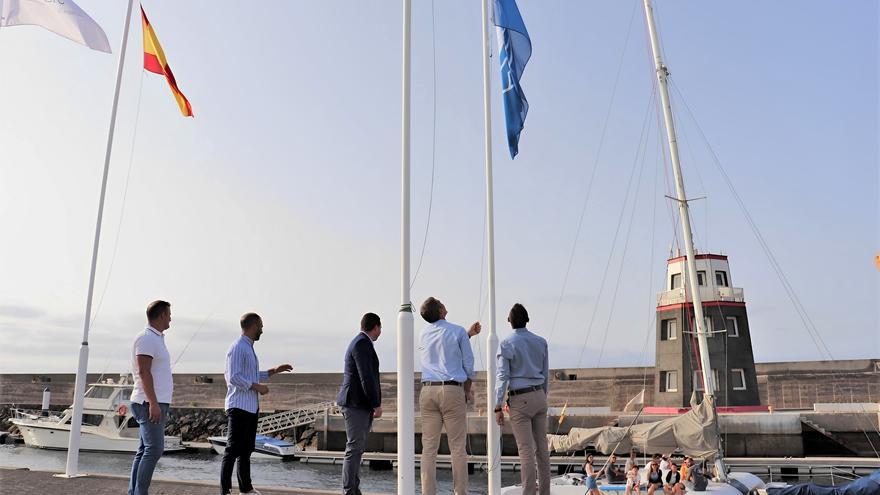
{"x":360,"y":398}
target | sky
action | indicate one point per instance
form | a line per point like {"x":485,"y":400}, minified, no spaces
{"x":282,"y":195}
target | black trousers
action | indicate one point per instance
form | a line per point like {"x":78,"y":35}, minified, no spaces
{"x":241,"y":433}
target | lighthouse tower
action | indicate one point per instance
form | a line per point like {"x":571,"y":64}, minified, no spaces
{"x":677,"y":372}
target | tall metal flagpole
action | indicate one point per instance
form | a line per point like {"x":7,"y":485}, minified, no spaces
{"x":406,"y":467}
{"x":81,"y":373}
{"x":703,"y":343}
{"x":493,"y":431}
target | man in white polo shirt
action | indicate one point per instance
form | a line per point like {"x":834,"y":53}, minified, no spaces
{"x":151,"y":397}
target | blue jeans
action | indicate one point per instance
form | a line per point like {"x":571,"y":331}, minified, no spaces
{"x":150,"y":449}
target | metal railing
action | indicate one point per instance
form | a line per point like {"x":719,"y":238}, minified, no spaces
{"x":291,"y":419}
{"x":287,"y":420}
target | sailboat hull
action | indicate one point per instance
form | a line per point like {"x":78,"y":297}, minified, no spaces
{"x":572,"y":484}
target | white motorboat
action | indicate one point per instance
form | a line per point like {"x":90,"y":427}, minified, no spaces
{"x":265,"y":447}
{"x":107,"y":423}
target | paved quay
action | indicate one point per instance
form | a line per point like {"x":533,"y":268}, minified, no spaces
{"x":28,"y":482}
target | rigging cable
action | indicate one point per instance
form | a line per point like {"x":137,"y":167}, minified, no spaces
{"x":625,"y":242}
{"x":616,"y":233}
{"x":124,"y":197}
{"x":809,"y":325}
{"x":811,"y":328}
{"x":652,"y":317}
{"x":592,"y":173}
{"x":433,"y":143}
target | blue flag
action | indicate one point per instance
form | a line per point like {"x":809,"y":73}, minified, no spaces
{"x":515,"y":49}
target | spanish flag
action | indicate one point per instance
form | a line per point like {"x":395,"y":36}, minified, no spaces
{"x":155,"y":61}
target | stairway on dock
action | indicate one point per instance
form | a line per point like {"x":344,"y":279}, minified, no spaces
{"x":288,"y":420}
{"x":848,"y":446}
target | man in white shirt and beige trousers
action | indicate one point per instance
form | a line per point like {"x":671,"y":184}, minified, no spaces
{"x":151,"y":396}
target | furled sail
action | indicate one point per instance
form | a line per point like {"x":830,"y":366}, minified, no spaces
{"x":694,"y":433}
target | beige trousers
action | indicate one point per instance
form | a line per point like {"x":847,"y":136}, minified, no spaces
{"x":443,"y":406}
{"x":528,"y":418}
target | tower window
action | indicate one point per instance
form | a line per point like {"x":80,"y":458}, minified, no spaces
{"x":669,"y":330}
{"x":701,"y":277}
{"x":669,"y":381}
{"x":675,"y":281}
{"x":721,"y":279}
{"x":732,"y":327}
{"x":738,"y":379}
{"x":698,"y":380}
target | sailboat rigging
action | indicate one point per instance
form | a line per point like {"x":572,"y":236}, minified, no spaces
{"x":696,"y":431}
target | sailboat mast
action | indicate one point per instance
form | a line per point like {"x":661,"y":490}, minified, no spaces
{"x":406,"y":467}
{"x":699,"y":322}
{"x":72,"y":466}
{"x":493,"y":431}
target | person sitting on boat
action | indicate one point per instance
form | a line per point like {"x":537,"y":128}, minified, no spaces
{"x":685,"y":467}
{"x":633,"y":481}
{"x":613,"y":474}
{"x":591,"y":476}
{"x":672,"y":481}
{"x":632,"y":461}
{"x":655,"y":480}
{"x":665,"y":460}
{"x":695,"y":479}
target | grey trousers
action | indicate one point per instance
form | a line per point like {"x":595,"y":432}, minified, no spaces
{"x":357,"y":426}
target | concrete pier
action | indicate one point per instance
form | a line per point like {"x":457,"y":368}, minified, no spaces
{"x":28,"y":482}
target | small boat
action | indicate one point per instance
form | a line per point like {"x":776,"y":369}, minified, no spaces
{"x":265,"y":447}
{"x":107,"y":423}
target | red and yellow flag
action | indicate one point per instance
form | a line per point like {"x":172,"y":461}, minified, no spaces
{"x":155,"y":61}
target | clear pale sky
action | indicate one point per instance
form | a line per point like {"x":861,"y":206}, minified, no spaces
{"x":282,"y":195}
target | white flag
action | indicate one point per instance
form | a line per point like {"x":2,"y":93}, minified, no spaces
{"x":62,"y":17}
{"x":636,"y":402}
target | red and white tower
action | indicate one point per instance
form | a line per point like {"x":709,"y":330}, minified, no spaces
{"x":677,"y":371}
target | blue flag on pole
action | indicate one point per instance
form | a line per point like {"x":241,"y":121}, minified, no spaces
{"x":515,"y":49}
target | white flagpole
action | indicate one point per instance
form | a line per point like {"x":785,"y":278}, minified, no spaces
{"x":406,"y":467}
{"x":493,"y":431}
{"x":72,"y":469}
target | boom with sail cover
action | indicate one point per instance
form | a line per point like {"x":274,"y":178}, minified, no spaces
{"x":693,"y":433}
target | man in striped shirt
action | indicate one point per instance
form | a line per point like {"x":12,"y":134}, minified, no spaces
{"x":243,"y":390}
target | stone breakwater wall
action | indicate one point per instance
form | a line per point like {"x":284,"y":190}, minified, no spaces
{"x":191,"y":424}
{"x":795,"y":385}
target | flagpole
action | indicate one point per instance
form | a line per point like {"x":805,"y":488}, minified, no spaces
{"x":72,"y":469}
{"x":493,"y":431}
{"x":406,"y":467}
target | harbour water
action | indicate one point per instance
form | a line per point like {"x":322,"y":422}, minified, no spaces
{"x":206,"y":467}
{"x":270,"y":472}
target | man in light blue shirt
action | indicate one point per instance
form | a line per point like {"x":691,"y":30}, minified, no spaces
{"x":243,"y":390}
{"x":524,"y":373}
{"x":447,"y":372}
